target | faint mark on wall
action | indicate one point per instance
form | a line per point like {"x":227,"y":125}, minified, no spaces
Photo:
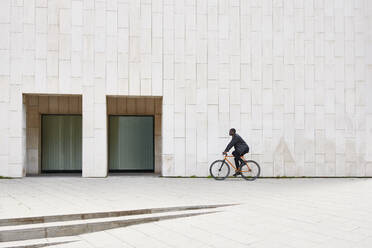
{"x":282,"y":150}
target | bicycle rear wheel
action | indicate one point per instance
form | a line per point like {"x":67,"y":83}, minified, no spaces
{"x":219,"y":170}
{"x":250,"y":170}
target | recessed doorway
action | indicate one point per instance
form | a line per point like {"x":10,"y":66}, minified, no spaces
{"x":144,"y":116}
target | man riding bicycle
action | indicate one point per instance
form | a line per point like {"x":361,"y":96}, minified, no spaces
{"x":240,"y":147}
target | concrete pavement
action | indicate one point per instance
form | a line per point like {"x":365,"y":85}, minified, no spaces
{"x":271,"y":213}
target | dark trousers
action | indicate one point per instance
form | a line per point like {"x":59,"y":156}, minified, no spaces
{"x":237,"y":155}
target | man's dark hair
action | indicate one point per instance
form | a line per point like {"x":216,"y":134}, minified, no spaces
{"x":233,"y":130}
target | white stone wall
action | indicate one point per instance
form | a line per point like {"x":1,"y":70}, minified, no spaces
{"x":293,"y":76}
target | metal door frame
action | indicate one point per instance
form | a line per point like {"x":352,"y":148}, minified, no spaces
{"x":41,"y":145}
{"x":153,"y":145}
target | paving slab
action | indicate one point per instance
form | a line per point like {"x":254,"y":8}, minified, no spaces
{"x":324,"y":212}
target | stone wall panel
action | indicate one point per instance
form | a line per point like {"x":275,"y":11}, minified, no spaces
{"x":297,"y":71}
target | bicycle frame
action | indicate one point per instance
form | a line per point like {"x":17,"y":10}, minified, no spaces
{"x":231,"y":164}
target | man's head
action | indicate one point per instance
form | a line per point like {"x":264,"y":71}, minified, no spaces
{"x":232,"y":131}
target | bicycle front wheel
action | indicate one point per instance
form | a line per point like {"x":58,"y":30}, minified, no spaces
{"x":250,"y":170}
{"x":219,"y":170}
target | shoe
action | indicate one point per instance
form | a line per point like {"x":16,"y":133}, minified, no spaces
{"x":236,"y":174}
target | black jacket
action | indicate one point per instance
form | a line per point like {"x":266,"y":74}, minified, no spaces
{"x":238,"y":143}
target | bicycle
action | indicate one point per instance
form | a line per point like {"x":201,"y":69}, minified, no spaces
{"x":249,"y":169}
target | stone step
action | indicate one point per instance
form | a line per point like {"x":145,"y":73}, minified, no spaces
{"x":38,"y":243}
{"x":77,"y":227}
{"x":96,"y":215}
